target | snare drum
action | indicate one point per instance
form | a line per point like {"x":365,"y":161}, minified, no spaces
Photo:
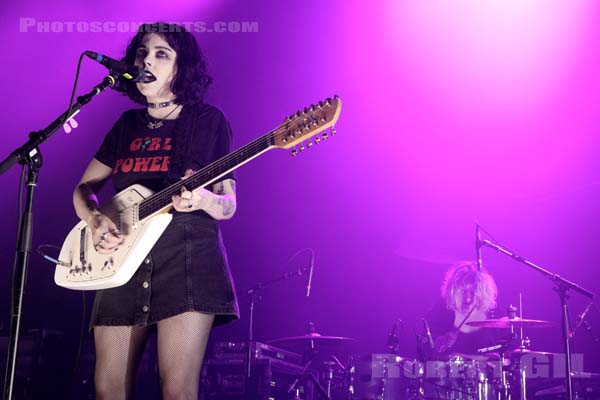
{"x":385,"y":377}
{"x":456,"y":379}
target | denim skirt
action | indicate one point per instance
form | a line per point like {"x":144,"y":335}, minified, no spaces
{"x":186,"y":270}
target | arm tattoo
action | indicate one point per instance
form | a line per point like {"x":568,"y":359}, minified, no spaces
{"x":228,"y":208}
{"x":226,"y":205}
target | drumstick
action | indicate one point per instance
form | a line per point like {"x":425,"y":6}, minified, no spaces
{"x":465,"y":319}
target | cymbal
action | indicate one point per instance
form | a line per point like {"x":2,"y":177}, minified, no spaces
{"x":313,"y":338}
{"x":519,"y":351}
{"x":506,"y":323}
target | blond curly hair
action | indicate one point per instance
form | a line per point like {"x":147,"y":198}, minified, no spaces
{"x":466,"y":273}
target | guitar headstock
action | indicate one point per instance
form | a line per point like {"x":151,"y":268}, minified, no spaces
{"x":301,"y":127}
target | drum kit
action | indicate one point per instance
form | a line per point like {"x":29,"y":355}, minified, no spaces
{"x":504,"y":371}
{"x":499,"y":372}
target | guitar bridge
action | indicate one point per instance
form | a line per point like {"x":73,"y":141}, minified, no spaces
{"x":82,"y":246}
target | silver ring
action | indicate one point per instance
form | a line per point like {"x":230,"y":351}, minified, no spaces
{"x":103,"y":236}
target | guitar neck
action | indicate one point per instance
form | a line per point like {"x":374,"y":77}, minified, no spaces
{"x":296,"y":128}
{"x":162,"y":200}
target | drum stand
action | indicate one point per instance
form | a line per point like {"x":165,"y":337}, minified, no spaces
{"x":331,"y":366}
{"x":515,"y":341}
{"x":307,"y":375}
{"x":504,"y":388}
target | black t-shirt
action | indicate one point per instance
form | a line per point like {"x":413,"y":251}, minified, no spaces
{"x":140,"y":155}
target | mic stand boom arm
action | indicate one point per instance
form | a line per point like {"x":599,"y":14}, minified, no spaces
{"x":562,"y":288}
{"x":21,"y":154}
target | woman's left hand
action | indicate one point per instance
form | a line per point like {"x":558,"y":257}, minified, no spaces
{"x":189,"y":201}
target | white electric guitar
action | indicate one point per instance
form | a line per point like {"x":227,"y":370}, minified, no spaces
{"x":142,"y":216}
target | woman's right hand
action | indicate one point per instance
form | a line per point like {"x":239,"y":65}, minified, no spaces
{"x":105,"y":234}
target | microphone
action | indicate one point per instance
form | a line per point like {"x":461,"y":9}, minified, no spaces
{"x":478,"y":247}
{"x":581,"y":319}
{"x":310,"y":275}
{"x":130,"y":72}
{"x":393,"y":338}
{"x":428,"y":333}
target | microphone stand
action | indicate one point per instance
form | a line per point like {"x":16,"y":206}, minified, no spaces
{"x":29,"y":154}
{"x":562,"y":288}
{"x":254,"y":294}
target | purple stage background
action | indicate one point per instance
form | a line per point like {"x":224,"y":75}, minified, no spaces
{"x":453,"y":112}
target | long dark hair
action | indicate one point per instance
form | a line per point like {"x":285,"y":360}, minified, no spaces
{"x":191,"y":81}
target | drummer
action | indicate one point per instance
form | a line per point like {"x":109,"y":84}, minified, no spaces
{"x":467,"y":294}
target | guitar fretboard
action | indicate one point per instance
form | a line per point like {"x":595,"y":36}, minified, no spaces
{"x":206,"y":175}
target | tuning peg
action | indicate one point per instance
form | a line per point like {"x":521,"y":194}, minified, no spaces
{"x":317,"y":139}
{"x":333,"y":131}
{"x":328,"y":101}
{"x":302,"y":147}
{"x":315,"y":123}
{"x":309,"y":143}
{"x":321,"y":104}
{"x":294,"y":152}
{"x":325,"y":136}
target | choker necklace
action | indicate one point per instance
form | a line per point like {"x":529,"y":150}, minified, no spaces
{"x":156,"y":125}
{"x":161,"y":105}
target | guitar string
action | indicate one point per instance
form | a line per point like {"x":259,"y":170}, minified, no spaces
{"x":147,"y":205}
{"x":225,"y":161}
{"x":198,"y":177}
{"x":262,"y":142}
{"x":177,"y":186}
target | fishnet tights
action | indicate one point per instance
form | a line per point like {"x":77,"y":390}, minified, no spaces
{"x":181,"y":344}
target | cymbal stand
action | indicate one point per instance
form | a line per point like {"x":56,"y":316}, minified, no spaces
{"x":522,"y":370}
